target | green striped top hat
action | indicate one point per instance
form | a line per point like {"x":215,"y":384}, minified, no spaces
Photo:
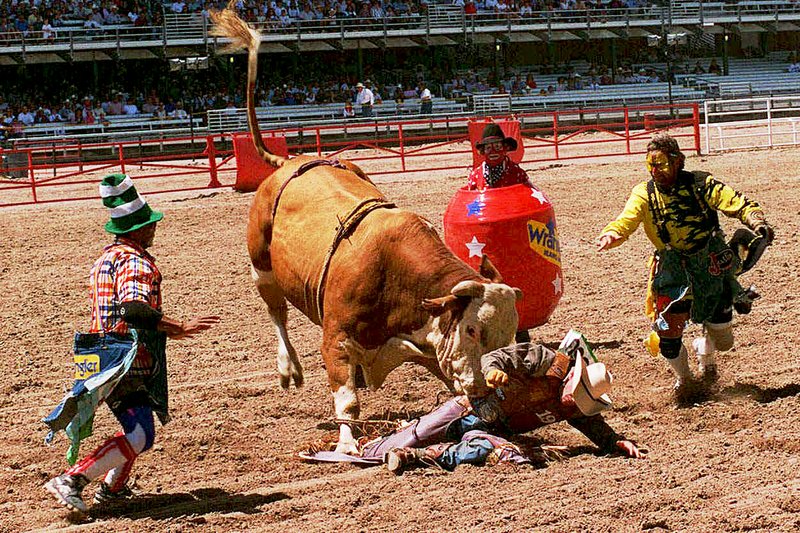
{"x":129,"y":211}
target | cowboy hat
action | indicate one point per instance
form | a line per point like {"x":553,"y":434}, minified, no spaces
{"x":587,"y":386}
{"x":494,"y":133}
{"x":129,"y":211}
{"x":748,"y":247}
{"x":359,"y":85}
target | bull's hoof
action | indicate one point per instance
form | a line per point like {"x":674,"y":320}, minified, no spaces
{"x":349,"y":448}
{"x":285,"y":382}
{"x":298,"y":380}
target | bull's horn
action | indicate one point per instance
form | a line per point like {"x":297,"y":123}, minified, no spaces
{"x":489,"y":271}
{"x":470,"y":288}
{"x":437,"y":306}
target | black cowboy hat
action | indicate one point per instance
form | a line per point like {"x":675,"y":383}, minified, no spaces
{"x":493,"y":133}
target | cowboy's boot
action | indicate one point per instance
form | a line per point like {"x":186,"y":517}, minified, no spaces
{"x":397,"y":459}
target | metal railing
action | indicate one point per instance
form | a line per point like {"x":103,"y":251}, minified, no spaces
{"x":194,"y":30}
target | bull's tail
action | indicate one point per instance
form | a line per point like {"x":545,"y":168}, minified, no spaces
{"x":229,"y":24}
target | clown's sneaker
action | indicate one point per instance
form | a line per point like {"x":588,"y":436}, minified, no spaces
{"x":104,"y":494}
{"x":67,"y":490}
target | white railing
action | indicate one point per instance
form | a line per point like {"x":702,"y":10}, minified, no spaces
{"x":193,"y":29}
{"x":748,"y":123}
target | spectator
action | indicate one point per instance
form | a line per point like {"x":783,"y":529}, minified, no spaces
{"x":365,"y":99}
{"x":48,"y":31}
{"x":794,"y":67}
{"x":698,"y":69}
{"x":25,"y":116}
{"x":714,"y":68}
{"x":425,"y":99}
{"x":348,"y":111}
{"x":91,"y":26}
{"x":179,"y":112}
{"x":130,"y":108}
{"x":178,"y":6}
{"x":116,"y":106}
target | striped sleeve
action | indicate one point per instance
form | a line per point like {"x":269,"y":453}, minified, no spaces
{"x":729,"y":201}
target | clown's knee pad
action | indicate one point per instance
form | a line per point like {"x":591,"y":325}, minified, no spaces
{"x":721,"y":335}
{"x":670,"y":347}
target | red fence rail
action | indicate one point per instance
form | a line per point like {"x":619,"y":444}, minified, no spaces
{"x":61,"y":171}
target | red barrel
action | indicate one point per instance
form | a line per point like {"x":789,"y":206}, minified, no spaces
{"x":516,"y":228}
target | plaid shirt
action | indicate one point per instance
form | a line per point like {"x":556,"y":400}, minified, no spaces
{"x":124,"y":273}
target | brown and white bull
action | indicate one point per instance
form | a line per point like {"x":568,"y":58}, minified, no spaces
{"x":378,"y":279}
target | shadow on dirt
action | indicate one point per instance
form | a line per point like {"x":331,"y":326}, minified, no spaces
{"x":200,"y":501}
{"x":761,"y":394}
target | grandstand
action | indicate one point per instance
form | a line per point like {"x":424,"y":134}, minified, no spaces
{"x":172,"y":57}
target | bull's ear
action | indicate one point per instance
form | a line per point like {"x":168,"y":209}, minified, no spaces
{"x":471,"y":288}
{"x":437,"y":306}
{"x":518,"y":293}
{"x":489,"y":271}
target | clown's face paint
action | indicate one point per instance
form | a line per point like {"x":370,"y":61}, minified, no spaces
{"x":662,"y":168}
{"x":494,"y":153}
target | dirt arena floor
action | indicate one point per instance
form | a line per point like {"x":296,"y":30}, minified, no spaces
{"x":227,"y":461}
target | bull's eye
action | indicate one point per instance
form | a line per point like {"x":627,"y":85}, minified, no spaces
{"x":472,"y":333}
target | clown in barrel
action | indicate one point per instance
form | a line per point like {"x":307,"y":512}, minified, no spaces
{"x":500,"y":213}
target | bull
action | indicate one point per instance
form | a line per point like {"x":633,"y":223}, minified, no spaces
{"x":378,"y":279}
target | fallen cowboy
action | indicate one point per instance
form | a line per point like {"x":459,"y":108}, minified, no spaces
{"x":533,"y":387}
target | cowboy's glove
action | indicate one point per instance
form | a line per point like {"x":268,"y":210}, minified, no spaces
{"x":496,"y":378}
{"x":766,"y":231}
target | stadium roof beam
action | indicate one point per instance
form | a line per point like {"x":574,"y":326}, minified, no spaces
{"x":355,"y":44}
{"x":558,"y":35}
{"x":314,"y":46}
{"x":749,"y":28}
{"x":90,"y":55}
{"x":401,"y":42}
{"x":273,"y":48}
{"x":582,"y":34}
{"x":600,"y":33}
{"x":136,"y":53}
{"x":441,"y":40}
{"x":48,"y":57}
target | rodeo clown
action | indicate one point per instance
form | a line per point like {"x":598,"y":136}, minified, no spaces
{"x":498,"y":170}
{"x":693,"y":272}
{"x":533,"y":387}
{"x":121,"y":360}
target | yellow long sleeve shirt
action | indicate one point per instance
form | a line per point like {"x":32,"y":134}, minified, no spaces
{"x":684,"y":218}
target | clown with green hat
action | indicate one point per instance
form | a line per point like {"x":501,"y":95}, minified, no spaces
{"x":121,"y":361}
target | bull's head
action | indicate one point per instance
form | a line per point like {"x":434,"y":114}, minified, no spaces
{"x":475,"y":318}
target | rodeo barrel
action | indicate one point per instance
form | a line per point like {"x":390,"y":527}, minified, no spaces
{"x":516,"y":228}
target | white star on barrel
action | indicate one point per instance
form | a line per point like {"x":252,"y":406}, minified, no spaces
{"x":536,"y":193}
{"x":556,"y":284}
{"x":475,"y":247}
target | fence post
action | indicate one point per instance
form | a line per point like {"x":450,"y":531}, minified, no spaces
{"x":212,"y":162}
{"x":555,"y":133}
{"x":402,"y":146}
{"x":696,"y":124}
{"x":32,"y":176}
{"x":319,"y":142}
{"x":627,"y":131}
{"x":121,"y":158}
